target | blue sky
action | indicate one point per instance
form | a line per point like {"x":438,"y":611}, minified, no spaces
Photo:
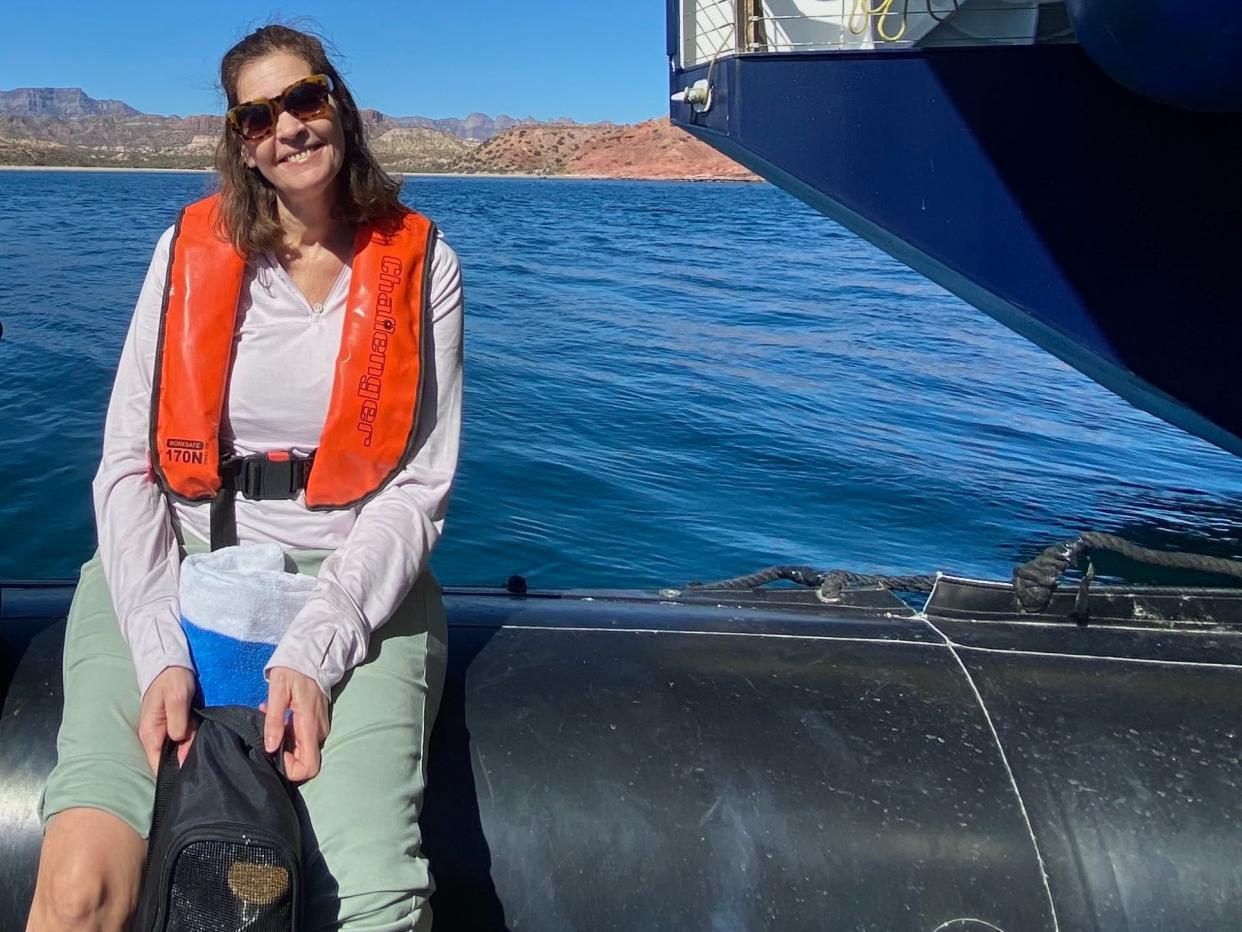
{"x":585,"y":59}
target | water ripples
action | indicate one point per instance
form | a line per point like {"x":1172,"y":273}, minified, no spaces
{"x":664,"y":382}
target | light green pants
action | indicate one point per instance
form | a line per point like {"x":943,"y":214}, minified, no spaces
{"x":366,"y":871}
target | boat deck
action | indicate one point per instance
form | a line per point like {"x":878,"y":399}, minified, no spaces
{"x":708,"y":759}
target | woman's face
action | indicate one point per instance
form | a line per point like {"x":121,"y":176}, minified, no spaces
{"x":297,"y":177}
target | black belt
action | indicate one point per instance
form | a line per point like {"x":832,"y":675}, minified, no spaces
{"x":263,"y":476}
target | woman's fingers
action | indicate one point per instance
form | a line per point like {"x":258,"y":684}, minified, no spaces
{"x":308,"y":727}
{"x":274,"y":719}
{"x":152,"y":729}
{"x":165,"y":714}
{"x":183,"y":749}
{"x":306,"y":738}
{"x":177,"y":712}
{"x":153,"y":746}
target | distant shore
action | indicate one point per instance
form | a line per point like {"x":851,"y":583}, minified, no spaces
{"x":100,"y":168}
{"x":526,"y":175}
{"x":52,"y":134}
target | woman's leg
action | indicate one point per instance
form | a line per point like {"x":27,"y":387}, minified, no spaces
{"x":90,"y":868}
{"x":97,"y":803}
{"x":363,"y":865}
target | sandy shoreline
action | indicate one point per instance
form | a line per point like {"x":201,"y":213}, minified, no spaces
{"x":208,"y":171}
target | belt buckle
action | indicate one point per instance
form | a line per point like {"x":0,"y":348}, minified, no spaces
{"x":278,"y":474}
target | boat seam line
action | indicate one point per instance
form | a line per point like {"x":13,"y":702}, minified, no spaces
{"x":1198,"y":665}
{"x":1105,"y":626}
{"x":947,"y":643}
{"x":987,"y":717}
{"x":745,"y":634}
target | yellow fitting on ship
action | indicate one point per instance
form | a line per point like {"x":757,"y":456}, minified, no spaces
{"x":862,"y":11}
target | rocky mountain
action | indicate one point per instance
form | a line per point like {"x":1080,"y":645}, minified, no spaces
{"x":533,"y":150}
{"x":477,"y":127}
{"x":119,"y":136}
{"x":416,"y":149}
{"x":653,"y":149}
{"x":62,"y":103}
{"x":140,"y":131}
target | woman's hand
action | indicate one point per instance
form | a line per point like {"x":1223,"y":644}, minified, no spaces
{"x":165,"y":714}
{"x":308,"y":728}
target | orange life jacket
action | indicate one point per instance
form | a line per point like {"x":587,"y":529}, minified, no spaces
{"x":372,"y":416}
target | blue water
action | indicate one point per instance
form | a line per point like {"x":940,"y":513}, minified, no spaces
{"x":664,"y":382}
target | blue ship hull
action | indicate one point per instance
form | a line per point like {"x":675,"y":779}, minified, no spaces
{"x":1096,"y":222}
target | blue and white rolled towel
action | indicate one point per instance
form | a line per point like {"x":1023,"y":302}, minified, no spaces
{"x":236,"y":604}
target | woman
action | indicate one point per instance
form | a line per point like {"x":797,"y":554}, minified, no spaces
{"x":305,"y":226}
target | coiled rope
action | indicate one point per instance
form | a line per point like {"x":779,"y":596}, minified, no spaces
{"x":863,"y":13}
{"x":1035,"y":582}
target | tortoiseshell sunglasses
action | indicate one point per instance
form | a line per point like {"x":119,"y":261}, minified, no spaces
{"x":306,"y":99}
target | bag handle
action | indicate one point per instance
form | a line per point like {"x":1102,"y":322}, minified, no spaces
{"x":166,"y":780}
{"x":243,"y":721}
{"x":247,"y":724}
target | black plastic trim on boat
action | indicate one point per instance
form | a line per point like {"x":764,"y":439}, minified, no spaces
{"x":1155,"y":607}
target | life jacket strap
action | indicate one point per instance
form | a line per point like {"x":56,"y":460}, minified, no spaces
{"x":263,"y":476}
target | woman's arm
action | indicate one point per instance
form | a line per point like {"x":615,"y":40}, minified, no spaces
{"x":137,"y":546}
{"x":363,"y":582}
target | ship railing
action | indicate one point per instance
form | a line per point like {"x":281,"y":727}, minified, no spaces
{"x":711,"y":29}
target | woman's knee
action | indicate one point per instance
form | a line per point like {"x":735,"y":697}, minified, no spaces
{"x":90,"y":869}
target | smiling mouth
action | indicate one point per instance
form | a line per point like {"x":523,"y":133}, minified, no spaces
{"x":302,"y":155}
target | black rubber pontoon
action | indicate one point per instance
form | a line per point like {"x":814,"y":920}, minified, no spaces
{"x":624,"y":761}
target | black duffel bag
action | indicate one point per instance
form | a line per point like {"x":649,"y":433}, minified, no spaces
{"x":225,"y":846}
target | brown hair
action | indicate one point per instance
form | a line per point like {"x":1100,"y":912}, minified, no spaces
{"x":364,"y":191}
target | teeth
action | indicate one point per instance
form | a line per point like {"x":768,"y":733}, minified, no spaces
{"x":301,"y":156}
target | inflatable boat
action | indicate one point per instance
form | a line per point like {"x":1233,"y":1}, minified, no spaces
{"x":767,"y":758}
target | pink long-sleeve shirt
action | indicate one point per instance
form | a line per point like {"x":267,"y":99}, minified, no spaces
{"x":284,"y":357}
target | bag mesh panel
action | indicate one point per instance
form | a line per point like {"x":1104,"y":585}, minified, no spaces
{"x":226,"y":887}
